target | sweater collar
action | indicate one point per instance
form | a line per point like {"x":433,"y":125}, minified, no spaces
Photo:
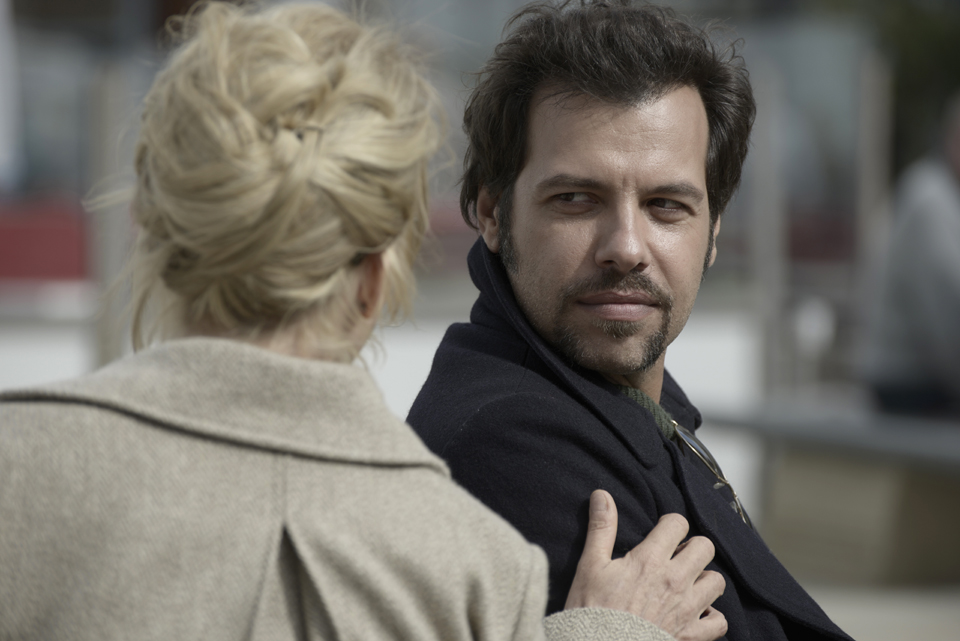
{"x":232,"y":391}
{"x":660,"y":415}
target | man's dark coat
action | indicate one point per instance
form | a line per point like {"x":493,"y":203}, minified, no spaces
{"x":532,"y":436}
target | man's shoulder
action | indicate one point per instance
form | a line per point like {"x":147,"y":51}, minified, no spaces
{"x":482,"y":344}
{"x":474,"y":360}
{"x":480,"y":373}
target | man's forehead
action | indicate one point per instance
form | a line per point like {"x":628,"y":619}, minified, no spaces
{"x":554,"y":101}
{"x":566,"y":125}
{"x":562,"y":97}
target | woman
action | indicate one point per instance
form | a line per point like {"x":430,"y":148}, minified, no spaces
{"x":242,"y":480}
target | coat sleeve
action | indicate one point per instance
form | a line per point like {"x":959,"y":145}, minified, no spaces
{"x":535,"y":461}
{"x":599,"y":623}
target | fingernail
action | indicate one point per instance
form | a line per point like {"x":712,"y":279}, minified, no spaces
{"x":598,"y":502}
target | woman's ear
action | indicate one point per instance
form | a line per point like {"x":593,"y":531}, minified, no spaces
{"x":370,"y":288}
{"x":487,"y":221}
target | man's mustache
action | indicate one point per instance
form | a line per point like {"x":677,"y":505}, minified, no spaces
{"x":612,"y":280}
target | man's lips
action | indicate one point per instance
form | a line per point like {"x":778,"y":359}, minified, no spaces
{"x":619,"y":306}
{"x":618,"y":298}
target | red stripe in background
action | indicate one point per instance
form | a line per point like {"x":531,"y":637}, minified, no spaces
{"x":43,"y":240}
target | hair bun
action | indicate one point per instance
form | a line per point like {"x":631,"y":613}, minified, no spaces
{"x":275,"y":147}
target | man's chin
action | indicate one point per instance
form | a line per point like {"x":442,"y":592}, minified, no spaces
{"x":610,"y":354}
{"x":616,"y":365}
{"x":619,"y":329}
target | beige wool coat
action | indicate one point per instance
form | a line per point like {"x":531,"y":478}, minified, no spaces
{"x":207,"y":489}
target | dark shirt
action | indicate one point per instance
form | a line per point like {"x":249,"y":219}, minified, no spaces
{"x":532,"y":436}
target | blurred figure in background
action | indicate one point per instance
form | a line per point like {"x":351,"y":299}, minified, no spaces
{"x":242,"y":479}
{"x":10,"y":156}
{"x":912,"y":360}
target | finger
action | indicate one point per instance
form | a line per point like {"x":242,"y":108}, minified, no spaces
{"x":662,"y":541}
{"x":711,"y":626}
{"x":695,"y":553}
{"x":708,"y":587}
{"x":601,"y":529}
{"x":698,"y":596}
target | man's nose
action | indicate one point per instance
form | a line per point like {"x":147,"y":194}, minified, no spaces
{"x":623,"y":241}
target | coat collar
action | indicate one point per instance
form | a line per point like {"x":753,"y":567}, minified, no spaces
{"x":498,"y":306}
{"x":232,"y":391}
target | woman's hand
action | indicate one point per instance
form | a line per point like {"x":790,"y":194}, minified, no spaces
{"x":661,"y":580}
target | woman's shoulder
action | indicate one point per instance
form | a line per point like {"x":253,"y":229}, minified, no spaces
{"x":366,"y":535}
{"x":416,"y":503}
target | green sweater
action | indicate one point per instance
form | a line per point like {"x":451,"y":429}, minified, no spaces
{"x":664,"y":420}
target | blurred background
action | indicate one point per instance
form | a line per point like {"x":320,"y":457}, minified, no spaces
{"x":863,"y":507}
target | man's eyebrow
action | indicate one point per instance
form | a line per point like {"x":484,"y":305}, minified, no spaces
{"x":691,"y":192}
{"x":568,"y":181}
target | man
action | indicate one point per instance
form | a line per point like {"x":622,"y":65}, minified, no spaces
{"x":912,"y":359}
{"x":605,"y":139}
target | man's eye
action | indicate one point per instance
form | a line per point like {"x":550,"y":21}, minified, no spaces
{"x":574,"y":197}
{"x":666,"y":203}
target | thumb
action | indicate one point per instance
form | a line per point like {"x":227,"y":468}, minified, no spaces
{"x":602,"y":528}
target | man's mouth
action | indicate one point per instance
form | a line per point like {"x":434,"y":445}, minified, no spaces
{"x":619,"y":306}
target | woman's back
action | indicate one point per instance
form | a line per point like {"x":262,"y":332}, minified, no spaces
{"x":210,"y":489}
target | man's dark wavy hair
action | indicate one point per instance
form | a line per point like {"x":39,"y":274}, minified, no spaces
{"x":616,"y":51}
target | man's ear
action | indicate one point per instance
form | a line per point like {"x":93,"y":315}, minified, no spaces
{"x":370,"y":288}
{"x":714,"y":231}
{"x":487,"y":220}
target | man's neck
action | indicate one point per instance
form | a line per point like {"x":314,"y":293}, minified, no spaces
{"x":648,"y":381}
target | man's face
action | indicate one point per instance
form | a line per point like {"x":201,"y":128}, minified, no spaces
{"x":610,"y":228}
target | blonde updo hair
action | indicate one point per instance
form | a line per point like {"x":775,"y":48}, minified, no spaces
{"x":277,"y":148}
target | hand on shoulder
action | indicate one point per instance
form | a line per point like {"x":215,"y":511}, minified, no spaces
{"x":662,"y":580}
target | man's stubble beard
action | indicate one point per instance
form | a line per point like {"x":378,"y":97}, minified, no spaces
{"x":571,"y":345}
